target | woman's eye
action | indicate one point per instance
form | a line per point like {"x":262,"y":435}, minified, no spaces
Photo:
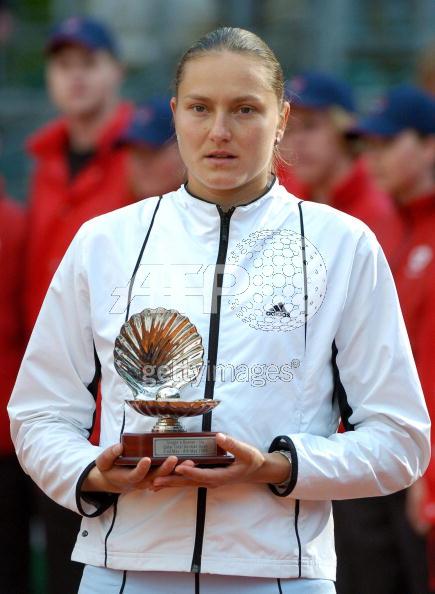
{"x":245,"y":109}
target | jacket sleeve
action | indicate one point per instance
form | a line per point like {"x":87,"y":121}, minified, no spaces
{"x":51,"y":408}
{"x":386,"y":446}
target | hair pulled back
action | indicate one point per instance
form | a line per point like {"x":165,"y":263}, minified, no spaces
{"x":240,"y":41}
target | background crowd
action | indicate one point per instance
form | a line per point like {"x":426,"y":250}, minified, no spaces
{"x":374,"y":160}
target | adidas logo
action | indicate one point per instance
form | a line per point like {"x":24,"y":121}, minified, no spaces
{"x":278,"y":310}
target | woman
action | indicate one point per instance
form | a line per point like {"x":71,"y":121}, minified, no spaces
{"x":304,"y":326}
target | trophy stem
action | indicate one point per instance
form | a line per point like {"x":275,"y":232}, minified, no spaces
{"x":168,"y":424}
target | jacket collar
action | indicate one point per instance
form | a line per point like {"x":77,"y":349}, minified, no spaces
{"x":191,"y":201}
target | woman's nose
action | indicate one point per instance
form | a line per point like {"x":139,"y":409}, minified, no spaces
{"x":220,"y":130}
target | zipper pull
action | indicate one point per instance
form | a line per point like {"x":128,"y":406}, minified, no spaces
{"x":225,"y":222}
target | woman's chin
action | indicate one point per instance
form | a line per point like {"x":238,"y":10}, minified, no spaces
{"x":222,"y":183}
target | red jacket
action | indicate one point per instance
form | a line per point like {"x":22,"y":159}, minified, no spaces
{"x":359,"y":196}
{"x":413,"y":266}
{"x":12,"y":235}
{"x":58,"y":206}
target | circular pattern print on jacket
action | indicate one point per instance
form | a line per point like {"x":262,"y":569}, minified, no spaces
{"x":280,"y":297}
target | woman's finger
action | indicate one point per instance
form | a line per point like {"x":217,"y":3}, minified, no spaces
{"x":239,"y":449}
{"x":172,"y":481}
{"x":137,"y":474}
{"x":106,"y":459}
{"x":212,"y":476}
{"x":166,"y":468}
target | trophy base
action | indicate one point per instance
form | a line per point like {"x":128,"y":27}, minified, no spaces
{"x":200,"y":447}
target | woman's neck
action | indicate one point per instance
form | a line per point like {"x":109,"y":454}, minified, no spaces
{"x":227,"y":199}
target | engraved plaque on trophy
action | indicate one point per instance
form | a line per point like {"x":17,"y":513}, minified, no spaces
{"x":157,"y":352}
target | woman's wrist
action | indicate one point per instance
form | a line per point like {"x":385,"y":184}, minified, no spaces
{"x":95,"y":482}
{"x":276,"y":469}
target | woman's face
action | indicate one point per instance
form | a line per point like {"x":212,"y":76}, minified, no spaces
{"x":227,"y":119}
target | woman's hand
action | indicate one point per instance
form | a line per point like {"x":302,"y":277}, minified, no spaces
{"x":250,"y":466}
{"x":108,"y":477}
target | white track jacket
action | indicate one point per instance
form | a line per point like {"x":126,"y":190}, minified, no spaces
{"x":301,"y":325}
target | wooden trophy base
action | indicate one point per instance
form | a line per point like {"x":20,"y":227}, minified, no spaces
{"x":200,"y":447}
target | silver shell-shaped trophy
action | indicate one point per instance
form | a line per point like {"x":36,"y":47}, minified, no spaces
{"x":157,"y":353}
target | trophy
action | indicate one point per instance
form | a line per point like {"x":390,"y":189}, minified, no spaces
{"x":157,"y":352}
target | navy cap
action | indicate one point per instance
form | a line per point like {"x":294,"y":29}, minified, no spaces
{"x":316,"y":90}
{"x":151,"y":124}
{"x":82,"y":31}
{"x":404,"y":108}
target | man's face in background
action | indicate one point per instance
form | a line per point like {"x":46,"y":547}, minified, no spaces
{"x":399,"y":162}
{"x":313,"y":144}
{"x":81,"y":81}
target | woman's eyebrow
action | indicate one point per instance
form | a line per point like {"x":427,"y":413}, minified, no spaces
{"x":239,"y":99}
{"x":196,"y":97}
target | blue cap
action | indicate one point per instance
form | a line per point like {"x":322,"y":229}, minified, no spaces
{"x":82,"y":31}
{"x":151,"y":124}
{"x":316,"y":90}
{"x":404,"y":108}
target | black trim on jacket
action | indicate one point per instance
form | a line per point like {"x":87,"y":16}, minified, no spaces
{"x":102,"y":501}
{"x":213,"y":340}
{"x":124,"y":581}
{"x":265,"y":191}
{"x":139,"y":258}
{"x":115,"y":511}
{"x":93,"y":386}
{"x":283,"y":442}
{"x":304,"y":268}
{"x":339,"y":393}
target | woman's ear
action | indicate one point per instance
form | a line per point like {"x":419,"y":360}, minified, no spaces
{"x":283,"y":119}
{"x":173,"y":104}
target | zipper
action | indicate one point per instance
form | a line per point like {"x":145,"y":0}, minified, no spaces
{"x":213,"y":340}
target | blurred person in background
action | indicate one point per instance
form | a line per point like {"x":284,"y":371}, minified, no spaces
{"x":80,"y":172}
{"x":381,"y":540}
{"x":426,"y":69}
{"x":154,"y":165}
{"x":15,"y":485}
{"x":318,"y":139}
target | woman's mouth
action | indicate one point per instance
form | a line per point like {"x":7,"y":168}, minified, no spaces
{"x":220,"y":157}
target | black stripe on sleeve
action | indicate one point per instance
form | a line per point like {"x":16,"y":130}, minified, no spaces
{"x":101,"y":500}
{"x":93,"y":386}
{"x":339,"y":393}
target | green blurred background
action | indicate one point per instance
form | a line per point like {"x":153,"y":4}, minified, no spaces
{"x":372,"y":43}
